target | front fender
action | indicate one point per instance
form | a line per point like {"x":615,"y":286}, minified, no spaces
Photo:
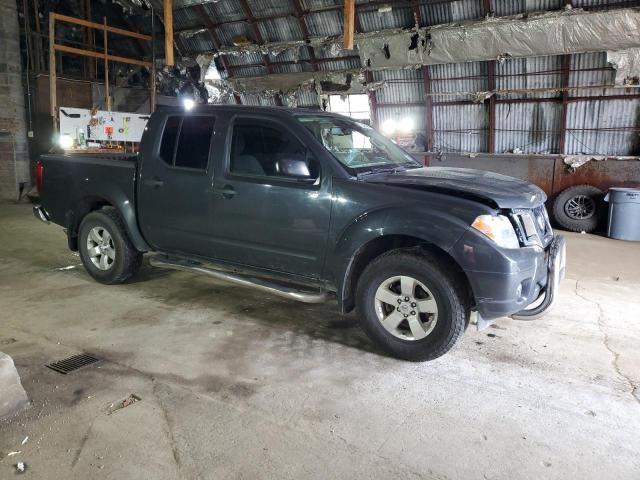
{"x":402,"y":227}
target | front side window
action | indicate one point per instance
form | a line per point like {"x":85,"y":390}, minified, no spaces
{"x":269,"y":151}
{"x":186,"y":141}
{"x":357,"y":146}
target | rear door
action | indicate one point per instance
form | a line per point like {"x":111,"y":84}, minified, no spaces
{"x":272,"y":199}
{"x":174,"y":196}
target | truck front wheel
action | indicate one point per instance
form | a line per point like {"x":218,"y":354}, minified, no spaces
{"x":412,"y":305}
{"x":105,"y":249}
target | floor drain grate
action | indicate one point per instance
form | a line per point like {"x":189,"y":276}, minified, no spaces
{"x":73,"y":363}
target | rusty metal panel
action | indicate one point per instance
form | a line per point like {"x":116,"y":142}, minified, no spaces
{"x":537,"y":170}
{"x":601,"y":174}
{"x":549,"y":172}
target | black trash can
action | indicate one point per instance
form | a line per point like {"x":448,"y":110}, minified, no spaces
{"x":624,"y":213}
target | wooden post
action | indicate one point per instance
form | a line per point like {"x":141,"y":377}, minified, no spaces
{"x":93,"y":62}
{"x":349,"y":23}
{"x":52,"y":72}
{"x":168,"y":32}
{"x":106,"y":67}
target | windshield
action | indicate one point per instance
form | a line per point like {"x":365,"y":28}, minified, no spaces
{"x":356,"y":145}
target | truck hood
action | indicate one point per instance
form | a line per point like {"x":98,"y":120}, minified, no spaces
{"x":493,"y":189}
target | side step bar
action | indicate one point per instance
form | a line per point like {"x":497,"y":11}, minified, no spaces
{"x":256,"y":283}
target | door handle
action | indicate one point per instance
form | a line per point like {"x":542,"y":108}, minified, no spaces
{"x":227,"y":191}
{"x":154,"y":182}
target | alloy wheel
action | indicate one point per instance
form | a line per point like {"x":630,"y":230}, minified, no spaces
{"x":100,"y":248}
{"x":406,"y":308}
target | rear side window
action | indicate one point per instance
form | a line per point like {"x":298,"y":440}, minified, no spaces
{"x":195,"y":139}
{"x":186,"y":141}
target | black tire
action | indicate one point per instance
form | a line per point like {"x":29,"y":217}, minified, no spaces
{"x":127,"y":259}
{"x":449,"y":292}
{"x":588,"y":217}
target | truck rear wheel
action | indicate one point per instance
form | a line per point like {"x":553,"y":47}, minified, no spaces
{"x":105,"y":249}
{"x":412,"y":305}
{"x":578,"y":208}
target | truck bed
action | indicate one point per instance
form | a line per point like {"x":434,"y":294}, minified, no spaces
{"x":71,"y":182}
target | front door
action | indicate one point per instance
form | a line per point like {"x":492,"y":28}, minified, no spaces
{"x":175,"y":186}
{"x":272,"y":204}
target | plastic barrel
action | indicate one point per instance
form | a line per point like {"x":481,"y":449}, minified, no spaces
{"x":624,"y":213}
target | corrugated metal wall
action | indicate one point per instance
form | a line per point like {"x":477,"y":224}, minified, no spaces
{"x":529,"y":108}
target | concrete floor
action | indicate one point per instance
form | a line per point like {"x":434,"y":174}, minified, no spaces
{"x":237,"y":384}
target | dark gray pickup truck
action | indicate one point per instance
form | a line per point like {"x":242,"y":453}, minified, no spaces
{"x":309,"y":205}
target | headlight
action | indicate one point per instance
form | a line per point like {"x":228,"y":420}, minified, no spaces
{"x":498,"y":228}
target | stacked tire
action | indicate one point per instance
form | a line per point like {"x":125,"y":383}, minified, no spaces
{"x":579,"y":208}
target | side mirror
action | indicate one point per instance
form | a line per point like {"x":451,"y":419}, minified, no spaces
{"x":294,"y":166}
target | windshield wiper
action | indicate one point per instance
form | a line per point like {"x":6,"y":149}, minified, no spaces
{"x":375,"y":171}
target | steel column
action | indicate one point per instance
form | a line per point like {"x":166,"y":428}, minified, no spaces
{"x":564,"y":82}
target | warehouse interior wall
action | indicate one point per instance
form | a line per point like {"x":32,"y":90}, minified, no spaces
{"x":14,"y":157}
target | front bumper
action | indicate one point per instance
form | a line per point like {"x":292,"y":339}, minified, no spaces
{"x":556,"y":272}
{"x":506,"y":282}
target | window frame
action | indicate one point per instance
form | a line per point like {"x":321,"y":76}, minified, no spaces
{"x":173,"y":165}
{"x":268,"y":179}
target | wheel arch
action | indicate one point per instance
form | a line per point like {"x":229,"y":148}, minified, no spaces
{"x":381,"y":245}
{"x":92,"y":203}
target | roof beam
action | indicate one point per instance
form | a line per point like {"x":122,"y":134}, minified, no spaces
{"x":360,"y":7}
{"x":548,"y":33}
{"x":168,"y":31}
{"x":348,"y":24}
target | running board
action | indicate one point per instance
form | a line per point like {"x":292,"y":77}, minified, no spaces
{"x":256,"y":283}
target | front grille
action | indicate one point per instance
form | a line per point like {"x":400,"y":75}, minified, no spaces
{"x":533,"y":226}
